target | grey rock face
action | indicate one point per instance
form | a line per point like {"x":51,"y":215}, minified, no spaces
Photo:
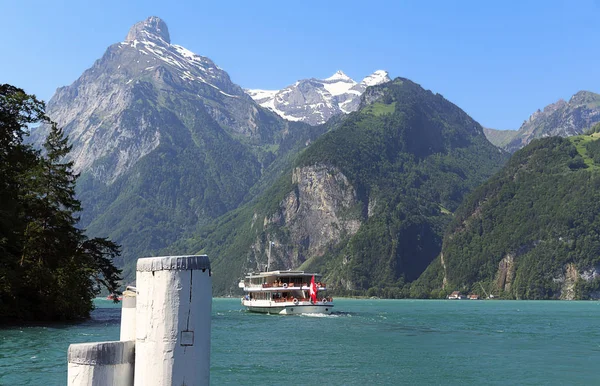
{"x":101,"y":111}
{"x":149,"y":29}
{"x":315,"y":215}
{"x":314,"y":101}
{"x":370,"y":96}
{"x":562,"y":119}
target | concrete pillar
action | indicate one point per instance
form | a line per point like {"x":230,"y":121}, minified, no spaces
{"x":128,"y":314}
{"x":174,"y":303}
{"x":101,"y":363}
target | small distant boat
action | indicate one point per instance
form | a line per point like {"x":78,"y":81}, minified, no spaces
{"x":456,"y":295}
{"x":285,"y":293}
{"x":113,"y":296}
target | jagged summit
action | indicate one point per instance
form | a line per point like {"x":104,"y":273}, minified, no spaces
{"x":584,"y":97}
{"x":152,"y":28}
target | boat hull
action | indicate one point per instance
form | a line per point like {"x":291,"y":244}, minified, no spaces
{"x":289,"y":309}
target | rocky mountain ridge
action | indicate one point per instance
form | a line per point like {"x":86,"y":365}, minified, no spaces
{"x":314,"y":101}
{"x":562,"y":118}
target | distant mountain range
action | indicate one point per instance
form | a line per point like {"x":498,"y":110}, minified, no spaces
{"x":314,"y":101}
{"x":563,"y":119}
{"x":361,"y":181}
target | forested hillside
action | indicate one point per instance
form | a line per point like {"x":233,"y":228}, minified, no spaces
{"x":531,"y":232}
{"x":367,"y":203}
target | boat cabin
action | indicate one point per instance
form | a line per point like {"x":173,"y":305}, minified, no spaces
{"x":281,"y":279}
{"x":285,"y":292}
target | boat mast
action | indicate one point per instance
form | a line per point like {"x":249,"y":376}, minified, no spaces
{"x":269,"y":255}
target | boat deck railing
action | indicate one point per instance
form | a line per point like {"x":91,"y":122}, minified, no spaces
{"x":290,"y":299}
{"x":320,"y":286}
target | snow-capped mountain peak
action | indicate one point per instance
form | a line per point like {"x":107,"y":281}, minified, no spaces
{"x":378,"y":77}
{"x":338,"y":84}
{"x":140,"y":68}
{"x":314,"y":101}
{"x":339,"y":75}
{"x":151,"y":38}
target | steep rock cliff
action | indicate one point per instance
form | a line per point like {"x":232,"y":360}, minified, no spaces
{"x":315,"y":216}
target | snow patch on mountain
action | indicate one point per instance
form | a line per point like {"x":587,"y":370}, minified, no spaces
{"x":338,"y":84}
{"x":262,"y":95}
{"x":151,"y":37}
{"x":314,"y":101}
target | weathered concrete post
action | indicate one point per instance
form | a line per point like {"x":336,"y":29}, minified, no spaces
{"x":174,"y":303}
{"x":128,"y":314}
{"x":101,"y":363}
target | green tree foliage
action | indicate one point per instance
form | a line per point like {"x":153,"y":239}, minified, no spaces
{"x":594,"y":129}
{"x":49,"y":269}
{"x":593,"y":149}
{"x":541,"y":211}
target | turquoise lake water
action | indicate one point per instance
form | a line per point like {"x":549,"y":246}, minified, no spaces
{"x":366,"y":342}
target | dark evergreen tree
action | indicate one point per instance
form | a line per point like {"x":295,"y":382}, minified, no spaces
{"x":17,"y":110}
{"x":49,"y":269}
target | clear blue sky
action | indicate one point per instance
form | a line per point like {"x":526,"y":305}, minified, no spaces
{"x":497,"y":60}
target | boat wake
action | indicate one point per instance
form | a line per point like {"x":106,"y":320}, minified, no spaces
{"x":337,"y":314}
{"x":315,"y":315}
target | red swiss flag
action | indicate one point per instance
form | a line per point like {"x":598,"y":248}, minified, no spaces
{"x":313,"y":289}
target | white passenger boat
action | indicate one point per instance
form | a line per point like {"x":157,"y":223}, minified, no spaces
{"x":285,"y":292}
